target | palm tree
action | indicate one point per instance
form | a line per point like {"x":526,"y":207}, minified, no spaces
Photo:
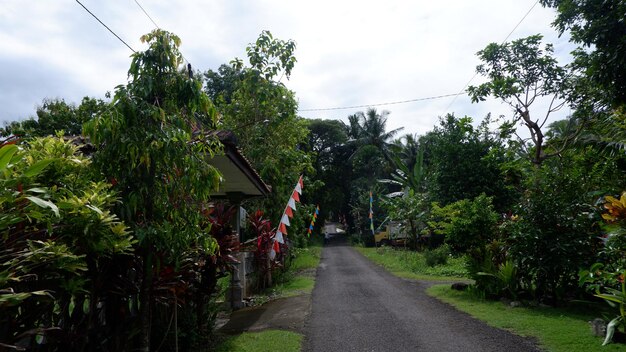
{"x":369,"y":128}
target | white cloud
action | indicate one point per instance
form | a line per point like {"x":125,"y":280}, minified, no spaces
{"x":349,"y":52}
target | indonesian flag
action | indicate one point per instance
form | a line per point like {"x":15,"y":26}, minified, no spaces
{"x":282,"y":228}
{"x":292,"y":203}
{"x":299,"y":186}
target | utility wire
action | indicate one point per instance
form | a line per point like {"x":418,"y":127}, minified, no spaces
{"x":157,"y":26}
{"x":107,"y":27}
{"x":462,"y":91}
{"x":146,"y":13}
{"x":380,"y":104}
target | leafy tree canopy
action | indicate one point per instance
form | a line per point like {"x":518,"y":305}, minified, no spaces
{"x":600,"y":28}
{"x":261,"y":111}
{"x":464,"y":161}
{"x":519,"y":73}
{"x":56,"y":115}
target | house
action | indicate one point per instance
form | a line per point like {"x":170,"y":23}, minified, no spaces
{"x":241,"y":182}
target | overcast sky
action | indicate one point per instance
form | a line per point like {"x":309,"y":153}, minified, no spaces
{"x":349,"y":52}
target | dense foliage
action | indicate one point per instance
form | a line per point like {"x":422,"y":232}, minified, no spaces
{"x":111,"y":238}
{"x":261,"y":111}
{"x":101,"y":253}
{"x":64,"y":250}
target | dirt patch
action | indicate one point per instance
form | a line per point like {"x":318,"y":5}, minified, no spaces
{"x":281,"y":314}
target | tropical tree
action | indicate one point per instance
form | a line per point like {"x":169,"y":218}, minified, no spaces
{"x":598,"y":27}
{"x":370,"y":128}
{"x":521,"y":73}
{"x":153,"y":143}
{"x":261,"y":111}
{"x":463,"y":161}
{"x":328,"y":144}
{"x":407,"y":149}
{"x":56,"y":115}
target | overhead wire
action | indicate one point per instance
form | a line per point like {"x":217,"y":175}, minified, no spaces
{"x":156,"y":25}
{"x":463,"y":90}
{"x":105,"y":26}
{"x":146,"y":13}
{"x":379,"y":104}
{"x":456,"y":95}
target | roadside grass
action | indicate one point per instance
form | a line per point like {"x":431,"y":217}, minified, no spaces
{"x":412,"y":265}
{"x":555,"y":329}
{"x":299,"y":278}
{"x":264,"y":341}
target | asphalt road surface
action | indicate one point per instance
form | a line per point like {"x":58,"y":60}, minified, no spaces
{"x":358,"y":306}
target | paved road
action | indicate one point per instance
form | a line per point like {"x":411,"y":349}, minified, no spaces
{"x":358,"y":306}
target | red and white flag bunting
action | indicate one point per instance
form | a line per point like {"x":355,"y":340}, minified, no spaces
{"x":288,"y":213}
{"x":292,"y":203}
{"x":285,"y":219}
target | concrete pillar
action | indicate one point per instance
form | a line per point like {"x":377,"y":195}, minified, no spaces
{"x":238,"y":283}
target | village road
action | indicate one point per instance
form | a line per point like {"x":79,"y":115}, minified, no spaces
{"x":358,"y":306}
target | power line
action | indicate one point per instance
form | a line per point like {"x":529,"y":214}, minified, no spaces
{"x":145,"y":12}
{"x":157,"y":26}
{"x":107,"y":27}
{"x":462,"y":91}
{"x":520,"y":22}
{"x":380,"y":104}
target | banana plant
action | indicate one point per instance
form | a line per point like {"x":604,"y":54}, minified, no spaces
{"x":408,"y":179}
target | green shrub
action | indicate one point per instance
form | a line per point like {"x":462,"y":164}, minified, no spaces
{"x":437,"y":256}
{"x":466,"y":224}
{"x":557,"y":232}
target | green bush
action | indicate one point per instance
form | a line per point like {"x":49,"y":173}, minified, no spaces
{"x":466,"y":224}
{"x":557,"y":232}
{"x":437,"y":256}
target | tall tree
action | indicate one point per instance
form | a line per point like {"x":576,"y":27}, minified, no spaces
{"x":325,"y":137}
{"x":56,"y":115}
{"x":262,"y":113}
{"x":599,"y":27}
{"x":519,"y":73}
{"x":328,"y":144}
{"x":153,"y":145}
{"x":370,"y":128}
{"x":409,"y":150}
{"x":464,"y":161}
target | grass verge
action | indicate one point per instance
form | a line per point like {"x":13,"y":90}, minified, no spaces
{"x":299,"y":277}
{"x":264,"y":341}
{"x":412,"y":265}
{"x":556,"y":329}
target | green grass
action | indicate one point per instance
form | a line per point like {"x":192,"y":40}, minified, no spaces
{"x":306,"y":258}
{"x":299,"y":277}
{"x":556,"y":329}
{"x":412,"y":265}
{"x":293,"y":287}
{"x":264,"y":341}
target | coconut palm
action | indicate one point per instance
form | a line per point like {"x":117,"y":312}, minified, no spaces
{"x":369,"y":128}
